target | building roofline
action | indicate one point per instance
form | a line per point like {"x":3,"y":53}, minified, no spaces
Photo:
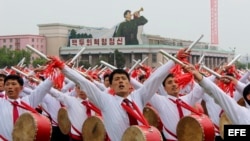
{"x":60,"y":24}
{"x":22,"y":35}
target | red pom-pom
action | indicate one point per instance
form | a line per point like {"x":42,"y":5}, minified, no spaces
{"x":134,"y":73}
{"x":55,"y":74}
{"x":184,"y":79}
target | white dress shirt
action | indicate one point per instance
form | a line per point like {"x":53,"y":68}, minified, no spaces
{"x":69,"y":85}
{"x":214,"y":110}
{"x":114,"y":116}
{"x":6,"y":110}
{"x":168,"y":110}
{"x":51,"y":105}
{"x":76,"y":110}
{"x":244,"y":78}
{"x":236,"y":113}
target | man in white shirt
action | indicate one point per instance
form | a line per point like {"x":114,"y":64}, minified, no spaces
{"x":13,"y":85}
{"x":168,"y":109}
{"x":77,"y":111}
{"x":115,"y":118}
{"x":235,"y":112}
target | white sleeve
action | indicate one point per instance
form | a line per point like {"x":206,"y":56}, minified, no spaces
{"x":69,"y":85}
{"x":234,"y":111}
{"x":98,"y":97}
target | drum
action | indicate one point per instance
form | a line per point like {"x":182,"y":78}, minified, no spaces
{"x":224,"y":120}
{"x":32,"y":127}
{"x":195,"y":128}
{"x":142,"y":133}
{"x":151,"y":115}
{"x":93,"y":129}
{"x":63,"y":121}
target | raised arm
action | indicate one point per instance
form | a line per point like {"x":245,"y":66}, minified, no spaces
{"x":69,"y":85}
{"x":234,"y":111}
{"x":151,"y":85}
{"x":37,"y":95}
{"x":98,"y":97}
{"x":63,"y":98}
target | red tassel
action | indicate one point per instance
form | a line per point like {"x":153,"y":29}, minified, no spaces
{"x":134,"y":73}
{"x":176,"y":70}
{"x":148,"y":71}
{"x":55,"y":74}
{"x":184,"y":79}
{"x":228,"y":88}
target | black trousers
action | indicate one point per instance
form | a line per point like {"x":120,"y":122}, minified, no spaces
{"x":57,"y":135}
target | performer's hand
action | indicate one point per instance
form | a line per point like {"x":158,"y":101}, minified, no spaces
{"x":90,"y":78}
{"x":182,"y":54}
{"x":70,"y":64}
{"x":57,"y":62}
{"x":33,"y":79}
{"x":228,"y":79}
{"x":191,"y":69}
{"x":197,"y":66}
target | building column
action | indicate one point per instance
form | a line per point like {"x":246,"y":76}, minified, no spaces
{"x":216,"y":61}
{"x":90,"y":58}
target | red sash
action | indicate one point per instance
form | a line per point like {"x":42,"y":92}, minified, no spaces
{"x":92,"y":107}
{"x":136,"y":113}
{"x":4,"y":139}
{"x":25,"y":106}
{"x":79,"y":137}
{"x":184,"y":105}
{"x":49,"y":116}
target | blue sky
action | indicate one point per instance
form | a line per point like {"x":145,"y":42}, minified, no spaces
{"x":183,"y":19}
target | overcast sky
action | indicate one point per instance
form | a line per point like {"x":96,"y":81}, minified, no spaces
{"x":183,"y":19}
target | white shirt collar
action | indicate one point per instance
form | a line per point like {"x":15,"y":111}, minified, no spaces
{"x":12,"y":100}
{"x":120,"y":99}
{"x":171,"y":97}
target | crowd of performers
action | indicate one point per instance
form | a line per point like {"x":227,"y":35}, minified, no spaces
{"x":119,"y":96}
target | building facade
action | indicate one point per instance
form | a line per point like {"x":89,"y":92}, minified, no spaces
{"x":57,"y":36}
{"x":19,"y":42}
{"x":93,"y":55}
{"x":53,"y":39}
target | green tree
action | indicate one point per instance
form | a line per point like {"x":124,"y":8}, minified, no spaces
{"x":12,"y":57}
{"x":78,"y":36}
{"x":120,"y":59}
{"x":72,"y":34}
{"x":240,"y":65}
{"x":84,"y":63}
{"x":90,"y":36}
{"x":39,"y":61}
{"x":85,"y":35}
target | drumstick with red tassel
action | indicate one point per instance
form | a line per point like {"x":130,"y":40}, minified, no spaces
{"x":24,"y":74}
